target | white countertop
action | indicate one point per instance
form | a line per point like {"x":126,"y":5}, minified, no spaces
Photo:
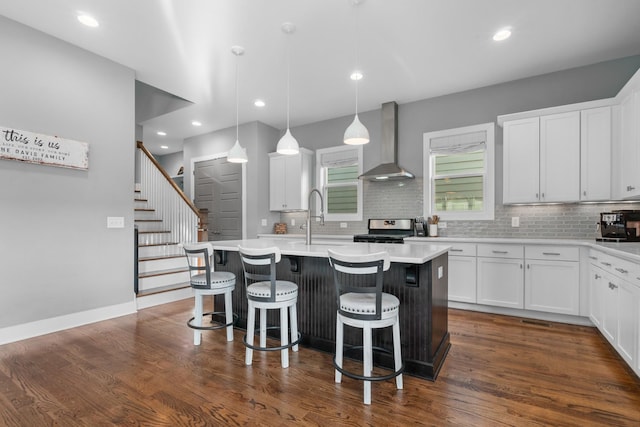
{"x":406,"y":253}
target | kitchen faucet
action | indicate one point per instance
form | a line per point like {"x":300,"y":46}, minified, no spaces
{"x":309,"y":216}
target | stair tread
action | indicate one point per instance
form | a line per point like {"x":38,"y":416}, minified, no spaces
{"x":148,"y":245}
{"x":144,"y":210}
{"x":159,"y":257}
{"x":140,"y":200}
{"x":148,"y":220}
{"x":151,"y":232}
{"x":163,"y":272}
{"x":162,"y":289}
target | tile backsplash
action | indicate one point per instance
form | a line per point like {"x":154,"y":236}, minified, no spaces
{"x":404,"y":199}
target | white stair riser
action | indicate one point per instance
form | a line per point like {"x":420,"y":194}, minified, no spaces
{"x":154,"y":238}
{"x":150,"y":226}
{"x":147,"y":251}
{"x":144,"y":215}
{"x":140,"y":204}
{"x":161,"y":264}
{"x":148,"y":283}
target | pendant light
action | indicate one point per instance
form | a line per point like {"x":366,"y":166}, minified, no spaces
{"x":237,"y":154}
{"x":356,"y":133}
{"x":288,"y":144}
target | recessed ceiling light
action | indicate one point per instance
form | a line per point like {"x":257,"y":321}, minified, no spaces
{"x":356,"y":75}
{"x":164,"y":147}
{"x":88,"y":20}
{"x":196,"y":123}
{"x":259,"y":103}
{"x":161,"y":133}
{"x":503,"y":34}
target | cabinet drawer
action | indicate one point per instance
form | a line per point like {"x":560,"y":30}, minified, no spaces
{"x":462,"y":249}
{"x":501,"y":251}
{"x":552,"y":252}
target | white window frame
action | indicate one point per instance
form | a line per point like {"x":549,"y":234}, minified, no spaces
{"x":322,"y":184}
{"x":488,"y":213}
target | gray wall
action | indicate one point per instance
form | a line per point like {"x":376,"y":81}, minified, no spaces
{"x":171,"y":163}
{"x":404,"y":199}
{"x":56,"y":255}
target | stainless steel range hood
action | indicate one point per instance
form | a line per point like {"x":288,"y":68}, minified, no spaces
{"x":389,"y":168}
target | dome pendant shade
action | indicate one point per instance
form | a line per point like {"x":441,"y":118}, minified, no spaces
{"x":288,"y":144}
{"x":356,"y":133}
{"x":237,"y":154}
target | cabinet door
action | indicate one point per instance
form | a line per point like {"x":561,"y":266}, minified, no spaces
{"x":630,"y":145}
{"x":560,"y":157}
{"x":610,"y":309}
{"x":277,"y":183}
{"x":462,"y":279}
{"x":628,"y":322}
{"x":500,"y":282}
{"x":595,"y":154}
{"x":552,"y":286}
{"x":293,"y":183}
{"x":521,"y":180}
{"x":596,"y":289}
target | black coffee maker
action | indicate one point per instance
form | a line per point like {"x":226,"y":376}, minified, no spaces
{"x":621,"y":225}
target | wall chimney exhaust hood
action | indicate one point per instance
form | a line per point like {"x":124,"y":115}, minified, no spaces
{"x":389,"y":168}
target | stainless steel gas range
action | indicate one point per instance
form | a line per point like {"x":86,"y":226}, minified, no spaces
{"x":386,"y":231}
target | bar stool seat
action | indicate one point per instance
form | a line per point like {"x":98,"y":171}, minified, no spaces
{"x":199,"y":257}
{"x":362,"y":304}
{"x":265,"y":292}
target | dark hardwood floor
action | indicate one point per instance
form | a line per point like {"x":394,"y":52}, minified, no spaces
{"x":143,"y":369}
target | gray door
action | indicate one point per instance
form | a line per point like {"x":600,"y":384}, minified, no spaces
{"x":218,"y":188}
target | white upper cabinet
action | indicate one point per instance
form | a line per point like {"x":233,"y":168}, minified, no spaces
{"x":629,"y":153}
{"x":560,"y":157}
{"x":541,"y":159}
{"x":290,"y":180}
{"x":595,"y":154}
{"x":521,"y":179}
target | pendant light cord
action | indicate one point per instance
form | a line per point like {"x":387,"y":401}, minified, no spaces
{"x":237,"y":98}
{"x":288,"y":77}
{"x":356,"y":5}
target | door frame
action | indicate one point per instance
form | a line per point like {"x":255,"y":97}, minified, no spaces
{"x":192,"y":190}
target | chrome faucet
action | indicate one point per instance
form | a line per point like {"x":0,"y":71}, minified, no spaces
{"x":309,"y":216}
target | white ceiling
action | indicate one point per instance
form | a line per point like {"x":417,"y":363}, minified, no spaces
{"x":408,"y":50}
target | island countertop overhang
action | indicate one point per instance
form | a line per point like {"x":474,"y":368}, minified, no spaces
{"x":407,"y":253}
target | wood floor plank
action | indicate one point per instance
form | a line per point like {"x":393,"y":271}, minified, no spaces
{"x":143,"y":369}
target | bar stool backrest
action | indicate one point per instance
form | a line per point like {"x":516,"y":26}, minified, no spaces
{"x":199,"y":257}
{"x":259,"y":265}
{"x":359,"y":274}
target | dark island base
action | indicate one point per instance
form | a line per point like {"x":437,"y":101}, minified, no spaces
{"x":423,"y":309}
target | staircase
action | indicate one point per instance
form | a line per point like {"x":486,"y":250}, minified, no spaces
{"x":164,"y":218}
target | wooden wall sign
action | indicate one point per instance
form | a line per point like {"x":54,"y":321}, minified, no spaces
{"x":41,"y":149}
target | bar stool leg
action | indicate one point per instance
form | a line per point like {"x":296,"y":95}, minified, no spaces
{"x":339,"y":347}
{"x":197,"y":321}
{"x":397,"y":352}
{"x":251,"y":325}
{"x":228,"y":308}
{"x":263,"y":327}
{"x":367,"y":356}
{"x":294,"y":325}
{"x":284,"y":336}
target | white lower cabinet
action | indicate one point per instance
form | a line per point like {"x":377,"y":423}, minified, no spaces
{"x":462,"y":273}
{"x":500,"y":278}
{"x":552,"y":279}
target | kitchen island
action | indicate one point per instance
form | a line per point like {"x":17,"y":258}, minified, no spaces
{"x":417,"y":276}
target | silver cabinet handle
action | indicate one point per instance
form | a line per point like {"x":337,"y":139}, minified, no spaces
{"x":520,"y":266}
{"x":630,"y":188}
{"x":537,"y":197}
{"x":597,"y":276}
{"x":608,"y":264}
{"x":613,"y":286}
{"x":455,"y":250}
{"x":543,"y":195}
{"x":621,"y":270}
{"x":528,"y":266}
{"x":584,"y":193}
{"x":551,"y":253}
{"x":593,"y":257}
{"x":500,"y":252}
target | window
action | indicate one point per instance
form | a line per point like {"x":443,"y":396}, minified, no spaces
{"x":338,"y":170}
{"x":459,"y":173}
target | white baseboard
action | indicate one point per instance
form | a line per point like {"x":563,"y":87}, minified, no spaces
{"x":68,"y":321}
{"x":163,"y":298}
{"x":527,"y":314}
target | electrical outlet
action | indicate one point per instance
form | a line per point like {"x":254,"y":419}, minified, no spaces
{"x":442,"y":224}
{"x":343,"y":225}
{"x":293,"y":222}
{"x":263,"y":222}
{"x":515,"y":221}
{"x":115,"y":222}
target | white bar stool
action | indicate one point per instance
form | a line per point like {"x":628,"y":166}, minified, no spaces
{"x":362,"y":304}
{"x":264,"y":292}
{"x":206,"y":281}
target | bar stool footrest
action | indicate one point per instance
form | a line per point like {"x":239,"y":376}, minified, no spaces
{"x":278,"y":348}
{"x":214,"y":327}
{"x":362,"y":377}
